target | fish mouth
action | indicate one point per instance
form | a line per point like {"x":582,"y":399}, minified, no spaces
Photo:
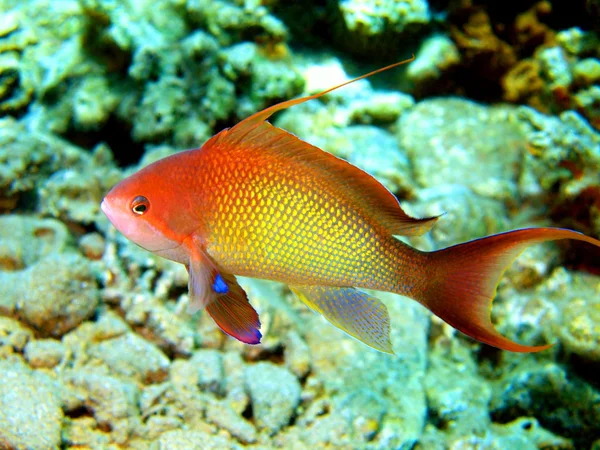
{"x":104,"y":207}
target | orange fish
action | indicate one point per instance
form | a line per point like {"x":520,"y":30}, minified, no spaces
{"x":257,"y":201}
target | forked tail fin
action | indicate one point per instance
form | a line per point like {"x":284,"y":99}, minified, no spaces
{"x":463,"y":281}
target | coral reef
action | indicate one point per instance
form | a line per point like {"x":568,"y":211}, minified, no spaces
{"x":560,"y":76}
{"x":511,"y":54}
{"x":560,"y":401}
{"x":51,"y":290}
{"x":41,"y":172}
{"x":366,"y":25}
{"x":367,"y":29}
{"x":441,"y":135}
{"x":563,"y":154}
{"x":274,"y":393}
{"x":165,"y":73}
{"x":437,"y":57}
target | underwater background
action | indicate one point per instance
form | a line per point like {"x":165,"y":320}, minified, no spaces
{"x":495,"y":123}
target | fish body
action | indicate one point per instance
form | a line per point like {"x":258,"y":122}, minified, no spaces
{"x":270,"y":216}
{"x":257,"y":201}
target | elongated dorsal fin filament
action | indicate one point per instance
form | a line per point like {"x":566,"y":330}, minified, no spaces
{"x":263,"y":115}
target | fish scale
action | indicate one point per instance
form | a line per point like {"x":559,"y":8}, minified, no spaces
{"x":300,"y":234}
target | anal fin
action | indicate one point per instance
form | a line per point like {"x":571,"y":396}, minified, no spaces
{"x":361,"y":316}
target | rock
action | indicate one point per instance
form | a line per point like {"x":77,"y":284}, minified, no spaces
{"x":587,"y":71}
{"x":555,"y":66}
{"x":377,"y":17}
{"x":202,"y":372}
{"x":30,"y":409}
{"x":108,"y":325}
{"x":193,"y":440}
{"x":176,"y":403}
{"x":92,"y":245}
{"x":13,"y":336}
{"x":225,"y":417}
{"x":93,"y":102}
{"x":10,"y":295}
{"x":82,"y":432}
{"x":576,"y":312}
{"x":297,"y":354}
{"x":74,"y":194}
{"x":57,"y":294}
{"x":364,"y":411}
{"x":375,"y":151}
{"x":184,"y":375}
{"x":274,"y":393}
{"x":437,"y":54}
{"x":559,"y":400}
{"x":25,"y":240}
{"x":113,"y":402}
{"x":44,"y":353}
{"x":209,"y":364}
{"x":452,"y":141}
{"x":54,"y":177}
{"x":369,"y":27}
{"x":564,"y":158}
{"x":457,"y":404}
{"x":346,"y":372}
{"x":563,"y":306}
{"x":235,"y":386}
{"x":131,"y":356}
{"x":169,"y":329}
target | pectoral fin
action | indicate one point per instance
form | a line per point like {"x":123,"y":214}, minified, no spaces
{"x":358,"y":314}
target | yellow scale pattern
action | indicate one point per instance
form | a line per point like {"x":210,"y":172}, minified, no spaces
{"x":268,"y":221}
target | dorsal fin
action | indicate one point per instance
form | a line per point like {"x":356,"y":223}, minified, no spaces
{"x":263,"y":115}
{"x":257,"y":118}
{"x":254,"y":133}
{"x":267,"y":142}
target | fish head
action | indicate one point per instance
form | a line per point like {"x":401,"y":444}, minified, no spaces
{"x":148,"y":208}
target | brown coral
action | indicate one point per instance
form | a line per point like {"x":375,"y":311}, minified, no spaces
{"x":528,"y":30}
{"x":485,"y":57}
{"x":523,"y":84}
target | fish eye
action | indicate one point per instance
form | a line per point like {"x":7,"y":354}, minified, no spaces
{"x":140,"y":205}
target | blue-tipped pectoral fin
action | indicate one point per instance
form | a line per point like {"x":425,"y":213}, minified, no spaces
{"x":363,"y":317}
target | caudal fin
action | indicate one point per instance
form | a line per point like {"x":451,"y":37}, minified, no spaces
{"x":463,"y":281}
